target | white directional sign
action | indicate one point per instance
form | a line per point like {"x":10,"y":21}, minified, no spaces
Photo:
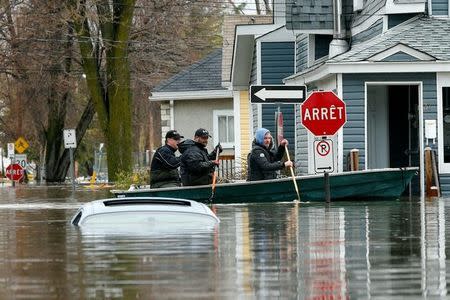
{"x":70,"y":139}
{"x":278,"y":93}
{"x":10,"y":150}
{"x":323,"y":156}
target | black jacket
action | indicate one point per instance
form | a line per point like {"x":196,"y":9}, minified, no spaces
{"x":196,"y":164}
{"x":164,"y":166}
{"x":263,"y":163}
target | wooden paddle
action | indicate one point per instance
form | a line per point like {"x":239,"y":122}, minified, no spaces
{"x":292,"y":173}
{"x":213,"y":186}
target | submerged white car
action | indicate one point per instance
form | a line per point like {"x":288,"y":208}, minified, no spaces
{"x":145,"y":213}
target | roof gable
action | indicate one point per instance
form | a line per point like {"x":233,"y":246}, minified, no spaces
{"x":401,"y":52}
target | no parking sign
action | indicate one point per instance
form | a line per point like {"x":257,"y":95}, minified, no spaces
{"x":323,"y":156}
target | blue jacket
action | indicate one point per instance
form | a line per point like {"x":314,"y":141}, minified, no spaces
{"x":164,"y":167}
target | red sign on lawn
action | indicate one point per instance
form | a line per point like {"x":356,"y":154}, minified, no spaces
{"x":14,"y":172}
{"x":323,"y":113}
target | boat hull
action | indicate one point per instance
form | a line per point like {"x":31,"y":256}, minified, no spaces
{"x":381,"y":183}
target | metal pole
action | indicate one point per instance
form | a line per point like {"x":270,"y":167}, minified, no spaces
{"x":13,"y":158}
{"x":326,"y":181}
{"x":2,"y":169}
{"x":72,"y":168}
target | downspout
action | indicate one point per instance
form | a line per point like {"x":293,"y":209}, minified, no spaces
{"x":338,"y":45}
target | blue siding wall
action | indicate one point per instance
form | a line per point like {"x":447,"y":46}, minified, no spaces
{"x":439,"y":7}
{"x":301,"y":146}
{"x":400,"y":56}
{"x":253,"y":74}
{"x":354,"y":94}
{"x":253,"y":81}
{"x":301,"y":59}
{"x":277,"y":62}
{"x":317,"y":14}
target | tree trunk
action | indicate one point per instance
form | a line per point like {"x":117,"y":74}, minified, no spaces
{"x":111,"y":95}
{"x":57,"y":158}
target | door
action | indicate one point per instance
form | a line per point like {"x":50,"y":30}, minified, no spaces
{"x":404,"y":125}
{"x":393,"y":127}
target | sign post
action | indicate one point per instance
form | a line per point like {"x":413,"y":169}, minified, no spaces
{"x":70,"y":142}
{"x":1,"y":162}
{"x":11,"y":153}
{"x":323,"y":114}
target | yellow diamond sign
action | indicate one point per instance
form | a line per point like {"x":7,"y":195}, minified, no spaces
{"x":21,"y":144}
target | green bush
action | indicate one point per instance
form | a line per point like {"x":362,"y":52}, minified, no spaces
{"x":126,"y":179}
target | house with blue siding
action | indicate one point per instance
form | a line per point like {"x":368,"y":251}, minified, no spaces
{"x":263,"y":54}
{"x":389,"y":61}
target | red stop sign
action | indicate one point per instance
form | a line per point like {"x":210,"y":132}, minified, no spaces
{"x":14,"y":172}
{"x":323,"y":113}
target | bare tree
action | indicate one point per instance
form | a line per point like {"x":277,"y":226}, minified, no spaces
{"x":48,"y":46}
{"x":37,"y":64}
{"x":240,"y":8}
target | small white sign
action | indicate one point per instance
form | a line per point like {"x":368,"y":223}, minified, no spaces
{"x":21,"y":159}
{"x":323,"y":156}
{"x":430,"y":129}
{"x":10,"y":150}
{"x":70,"y":139}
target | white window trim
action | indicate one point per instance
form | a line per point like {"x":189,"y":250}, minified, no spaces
{"x":431,"y":13}
{"x":443,"y":80}
{"x":216,"y":114}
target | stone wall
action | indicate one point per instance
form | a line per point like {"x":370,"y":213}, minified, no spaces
{"x":165,"y":119}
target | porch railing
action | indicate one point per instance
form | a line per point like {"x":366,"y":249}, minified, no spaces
{"x":227,"y":167}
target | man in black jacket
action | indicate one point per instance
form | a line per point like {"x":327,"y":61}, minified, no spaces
{"x":197,"y":166}
{"x":164,"y":168}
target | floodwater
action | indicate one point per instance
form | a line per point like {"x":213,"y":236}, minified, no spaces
{"x":378,"y":250}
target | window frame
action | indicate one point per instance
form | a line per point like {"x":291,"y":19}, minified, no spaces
{"x":443,"y":81}
{"x":216,"y":115}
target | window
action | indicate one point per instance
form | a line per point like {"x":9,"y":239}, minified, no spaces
{"x":224,"y":128}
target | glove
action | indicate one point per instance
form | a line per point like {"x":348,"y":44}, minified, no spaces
{"x":218,"y":146}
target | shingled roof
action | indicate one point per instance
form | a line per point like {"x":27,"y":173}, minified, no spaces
{"x":428,"y":35}
{"x":203,"y":75}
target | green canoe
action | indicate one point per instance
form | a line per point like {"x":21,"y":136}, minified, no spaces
{"x":378,"y":183}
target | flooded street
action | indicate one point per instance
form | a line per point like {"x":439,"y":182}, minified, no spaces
{"x":382,"y":249}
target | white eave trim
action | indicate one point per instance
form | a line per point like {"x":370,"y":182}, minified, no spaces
{"x":370,"y":67}
{"x":281,"y":34}
{"x":191,"y":95}
{"x":399,"y":7}
{"x":255,"y":29}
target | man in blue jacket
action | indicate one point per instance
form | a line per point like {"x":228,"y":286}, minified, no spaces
{"x":164,"y":167}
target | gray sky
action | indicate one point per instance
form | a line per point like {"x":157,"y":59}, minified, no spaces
{"x":250,"y":7}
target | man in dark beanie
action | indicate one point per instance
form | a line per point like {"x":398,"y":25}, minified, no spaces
{"x":164,"y":167}
{"x":197,"y":166}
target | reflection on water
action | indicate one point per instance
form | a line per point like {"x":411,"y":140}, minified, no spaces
{"x":382,"y":249}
